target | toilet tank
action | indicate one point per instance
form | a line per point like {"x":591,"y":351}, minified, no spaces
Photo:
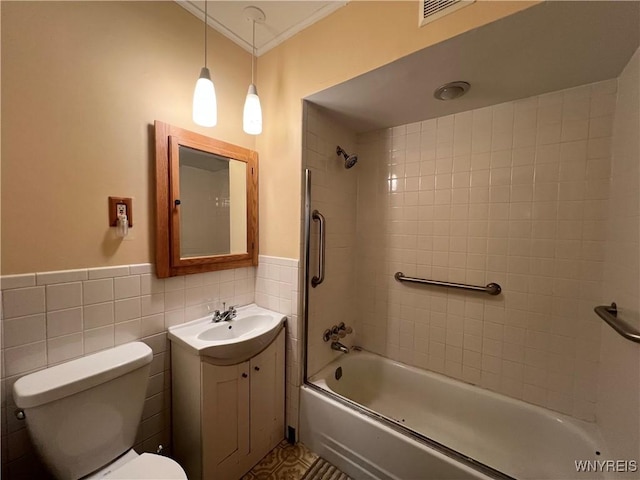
{"x":84,"y":413}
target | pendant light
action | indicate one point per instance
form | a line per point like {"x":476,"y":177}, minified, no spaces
{"x":205,"y":108}
{"x":252,"y":116}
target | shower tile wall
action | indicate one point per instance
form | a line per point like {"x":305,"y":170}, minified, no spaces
{"x":516,"y":193}
{"x":618,"y":411}
{"x":52,"y":317}
{"x":334,"y":194}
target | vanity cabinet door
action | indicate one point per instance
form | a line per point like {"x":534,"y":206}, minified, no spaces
{"x":225,"y":420}
{"x":267,"y":398}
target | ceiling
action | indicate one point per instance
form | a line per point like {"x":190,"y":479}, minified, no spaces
{"x":283,"y":19}
{"x":548,"y":47}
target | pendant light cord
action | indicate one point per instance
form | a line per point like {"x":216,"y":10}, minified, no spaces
{"x":205,"y":33}
{"x":253,"y":49}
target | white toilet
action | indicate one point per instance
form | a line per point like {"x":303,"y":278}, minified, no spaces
{"x":83,"y":416}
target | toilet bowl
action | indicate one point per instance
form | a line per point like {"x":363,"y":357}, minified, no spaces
{"x":83,"y":416}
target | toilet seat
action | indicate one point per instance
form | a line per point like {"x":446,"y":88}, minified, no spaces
{"x":149,"y":466}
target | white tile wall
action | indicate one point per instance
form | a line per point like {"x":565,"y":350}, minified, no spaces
{"x":277,"y":289}
{"x":517,"y":194}
{"x":52,"y":317}
{"x":618,"y":409}
{"x":334,"y":192}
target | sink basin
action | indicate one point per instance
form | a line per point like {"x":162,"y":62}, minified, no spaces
{"x":228,"y":343}
{"x":235,"y":329}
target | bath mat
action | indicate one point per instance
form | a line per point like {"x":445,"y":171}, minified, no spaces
{"x":323,"y":470}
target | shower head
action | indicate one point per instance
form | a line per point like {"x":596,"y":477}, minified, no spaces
{"x":349,"y":160}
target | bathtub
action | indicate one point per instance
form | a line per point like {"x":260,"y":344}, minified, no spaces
{"x":417,"y":424}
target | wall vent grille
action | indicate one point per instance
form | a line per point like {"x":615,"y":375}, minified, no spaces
{"x":431,"y":10}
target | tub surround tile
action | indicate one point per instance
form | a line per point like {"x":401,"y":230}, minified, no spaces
{"x":507,"y":193}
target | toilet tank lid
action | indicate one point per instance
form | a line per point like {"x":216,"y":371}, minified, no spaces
{"x":80,"y":374}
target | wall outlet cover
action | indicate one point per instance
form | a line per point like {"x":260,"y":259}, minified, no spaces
{"x":115,"y":204}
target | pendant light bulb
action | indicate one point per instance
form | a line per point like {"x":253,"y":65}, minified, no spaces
{"x":252,"y":114}
{"x":205,"y":108}
{"x":252,"y":117}
{"x":205,"y":105}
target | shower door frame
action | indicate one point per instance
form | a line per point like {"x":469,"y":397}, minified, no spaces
{"x":305,"y":281}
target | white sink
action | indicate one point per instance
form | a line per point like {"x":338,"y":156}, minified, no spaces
{"x":227,"y":343}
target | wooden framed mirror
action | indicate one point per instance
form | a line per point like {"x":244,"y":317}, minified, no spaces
{"x":206,"y":203}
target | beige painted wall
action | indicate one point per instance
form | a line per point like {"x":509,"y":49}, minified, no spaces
{"x":82,"y":83}
{"x":352,"y":41}
{"x":238,"y":206}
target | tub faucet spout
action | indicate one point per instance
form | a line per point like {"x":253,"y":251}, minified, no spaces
{"x":339,"y":347}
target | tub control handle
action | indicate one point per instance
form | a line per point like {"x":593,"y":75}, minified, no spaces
{"x":336,"y":332}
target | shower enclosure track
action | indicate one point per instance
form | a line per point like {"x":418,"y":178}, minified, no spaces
{"x":491,"y":288}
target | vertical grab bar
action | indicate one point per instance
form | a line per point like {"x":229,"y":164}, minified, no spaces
{"x":317,"y":280}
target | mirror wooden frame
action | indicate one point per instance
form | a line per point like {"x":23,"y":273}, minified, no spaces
{"x":168,"y":139}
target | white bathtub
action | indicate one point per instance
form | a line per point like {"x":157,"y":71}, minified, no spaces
{"x":510,"y":436}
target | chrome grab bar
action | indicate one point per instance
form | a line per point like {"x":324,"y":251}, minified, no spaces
{"x":317,"y":280}
{"x":491,"y":289}
{"x":609,"y":313}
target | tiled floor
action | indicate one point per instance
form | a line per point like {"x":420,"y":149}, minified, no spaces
{"x":285,"y":462}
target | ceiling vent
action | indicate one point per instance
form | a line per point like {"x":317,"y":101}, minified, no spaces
{"x":431,"y":10}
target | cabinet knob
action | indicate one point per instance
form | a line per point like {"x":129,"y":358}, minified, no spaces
{"x":257,"y":369}
{"x":244,"y":375}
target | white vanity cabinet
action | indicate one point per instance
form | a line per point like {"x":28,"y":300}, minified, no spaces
{"x":227,"y":418}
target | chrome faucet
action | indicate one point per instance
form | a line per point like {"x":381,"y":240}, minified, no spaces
{"x":339,"y":347}
{"x":226,"y":315}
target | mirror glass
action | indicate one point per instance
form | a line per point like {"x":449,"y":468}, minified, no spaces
{"x":213,"y":203}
